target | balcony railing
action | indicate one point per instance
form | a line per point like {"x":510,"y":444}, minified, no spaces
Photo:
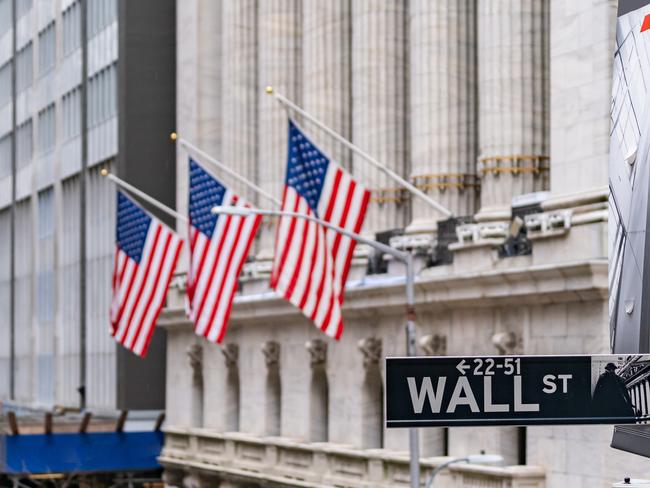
{"x":274,"y":461}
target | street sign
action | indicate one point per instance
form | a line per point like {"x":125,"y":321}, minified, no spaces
{"x":517,"y":390}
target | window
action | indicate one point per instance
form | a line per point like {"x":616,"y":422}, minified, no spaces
{"x":24,"y":143}
{"x":5,"y":16}
{"x":46,"y":49}
{"x":22,"y":7}
{"x":101,"y":13}
{"x":71,"y":113}
{"x":46,"y":128}
{"x":24,"y":68}
{"x":102,"y":95}
{"x":5,"y":155}
{"x":71,"y":28}
{"x":5,"y":83}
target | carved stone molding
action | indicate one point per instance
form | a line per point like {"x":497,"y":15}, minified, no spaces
{"x":271,"y":351}
{"x":318,"y":352}
{"x":230,"y":355}
{"x":195,"y":355}
{"x":173,"y":477}
{"x":371,"y":349}
{"x":507,"y":343}
{"x":199,"y":480}
{"x":433,"y":344}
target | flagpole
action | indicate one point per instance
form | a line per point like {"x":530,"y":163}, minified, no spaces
{"x":382,"y":167}
{"x":156,"y":203}
{"x":405,"y":257}
{"x":184,"y":142}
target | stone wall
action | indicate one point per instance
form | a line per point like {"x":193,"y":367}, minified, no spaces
{"x":479,"y":103}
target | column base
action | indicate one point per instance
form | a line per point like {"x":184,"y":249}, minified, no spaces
{"x":495,"y":213}
{"x":421,"y":226}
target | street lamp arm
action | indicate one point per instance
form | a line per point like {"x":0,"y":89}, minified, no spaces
{"x":444,"y":465}
{"x":245,"y":211}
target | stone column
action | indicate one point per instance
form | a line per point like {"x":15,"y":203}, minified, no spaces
{"x":279,"y":41}
{"x":443,"y":107}
{"x":198,"y":102}
{"x":581,"y":167}
{"x":513,"y":47}
{"x":372,"y":418}
{"x":195,"y":357}
{"x":326,"y":72}
{"x":239,"y":92}
{"x":379,"y":122}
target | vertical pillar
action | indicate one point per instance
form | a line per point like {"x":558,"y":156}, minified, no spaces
{"x":280,"y":28}
{"x":239,"y":89}
{"x":326,"y":72}
{"x":209,"y":69}
{"x":443,"y":108}
{"x":580,"y":167}
{"x":379,"y":122}
{"x":513,"y":76}
{"x":198,"y":78}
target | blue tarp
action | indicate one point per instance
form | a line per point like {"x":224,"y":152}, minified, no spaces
{"x":80,"y":453}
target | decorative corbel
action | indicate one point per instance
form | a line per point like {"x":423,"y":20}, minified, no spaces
{"x":271,"y":351}
{"x":230,"y":355}
{"x":370,"y":347}
{"x":433,"y":345}
{"x":195,"y":355}
{"x":318,"y":352}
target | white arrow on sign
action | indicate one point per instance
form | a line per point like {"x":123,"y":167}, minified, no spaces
{"x":462,"y":367}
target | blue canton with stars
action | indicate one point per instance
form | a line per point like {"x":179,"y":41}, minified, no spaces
{"x":205,"y":193}
{"x":132,"y":227}
{"x":306,"y":167}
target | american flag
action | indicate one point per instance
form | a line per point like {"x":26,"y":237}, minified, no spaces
{"x":311,"y":263}
{"x":219,"y":245}
{"x":145,"y":258}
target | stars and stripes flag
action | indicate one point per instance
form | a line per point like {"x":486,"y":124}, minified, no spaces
{"x":311,"y":262}
{"x":145,"y":258}
{"x":219,"y":245}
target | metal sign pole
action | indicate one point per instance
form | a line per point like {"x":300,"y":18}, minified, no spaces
{"x":414,"y":444}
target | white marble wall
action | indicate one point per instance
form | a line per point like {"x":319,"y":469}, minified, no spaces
{"x":513,"y":76}
{"x":443,"y":107}
{"x":187,"y":101}
{"x":239,"y":88}
{"x":279,"y":51}
{"x":379,"y":121}
{"x":326,"y":83}
{"x":198,"y":99}
{"x":581,"y":84}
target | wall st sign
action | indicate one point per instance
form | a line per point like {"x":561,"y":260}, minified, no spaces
{"x":517,"y":390}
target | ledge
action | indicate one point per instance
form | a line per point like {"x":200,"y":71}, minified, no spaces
{"x":282,"y":462}
{"x":435,"y":291}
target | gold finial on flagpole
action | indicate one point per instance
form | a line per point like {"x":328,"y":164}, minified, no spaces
{"x":173,"y":136}
{"x":104,"y":172}
{"x":269,"y":90}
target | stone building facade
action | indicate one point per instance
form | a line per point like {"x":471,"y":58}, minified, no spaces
{"x":499,"y":110}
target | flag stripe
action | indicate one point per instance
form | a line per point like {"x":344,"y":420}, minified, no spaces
{"x":218,"y":255}
{"x":223,"y":268}
{"x":143,"y":341}
{"x":140,"y":282}
{"x":150,"y":291}
{"x":146,"y":254}
{"x":311,"y":263}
